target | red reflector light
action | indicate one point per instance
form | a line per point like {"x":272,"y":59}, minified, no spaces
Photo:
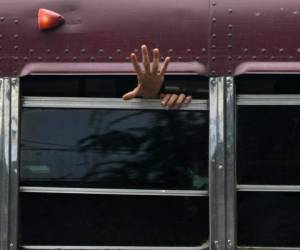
{"x":48,"y":19}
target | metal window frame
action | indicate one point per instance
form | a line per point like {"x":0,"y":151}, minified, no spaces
{"x":203,"y":247}
{"x":9,"y":172}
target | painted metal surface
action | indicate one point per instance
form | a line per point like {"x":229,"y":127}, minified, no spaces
{"x":219,"y":34}
{"x":102,"y":31}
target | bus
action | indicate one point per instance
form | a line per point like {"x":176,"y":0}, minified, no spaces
{"x":83,"y":169}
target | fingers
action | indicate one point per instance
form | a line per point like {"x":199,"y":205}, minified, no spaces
{"x":155,"y":64}
{"x":171,"y":101}
{"x":146,"y":60}
{"x":165,"y":66}
{"x":135,"y":64}
{"x":131,"y":94}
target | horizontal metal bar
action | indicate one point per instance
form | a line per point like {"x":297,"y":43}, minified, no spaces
{"x":267,"y":188}
{"x":203,"y":247}
{"x":271,"y":100}
{"x":104,"y":103}
{"x":64,"y":190}
{"x":268,"y":248}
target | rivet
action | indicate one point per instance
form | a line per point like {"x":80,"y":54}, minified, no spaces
{"x":281,"y":50}
{"x":74,"y":58}
{"x":162,"y":58}
{"x":25,"y":59}
{"x":127,"y":58}
{"x":16,"y":47}
{"x":272,"y":57}
{"x":298,"y":50}
{"x":214,"y":19}
{"x":57,"y":58}
{"x":110,"y":58}
{"x":40,"y":58}
{"x":0,"y":59}
{"x":2,"y":18}
{"x":213,"y":58}
{"x":246,"y":50}
{"x":213,"y":72}
{"x":203,"y":50}
{"x":16,"y":36}
{"x":230,"y":26}
{"x":15,"y":72}
{"x":291,"y":57}
{"x":118,"y":50}
{"x":229,"y":58}
{"x":0,"y":47}
{"x":257,"y":14}
{"x":296,"y":12}
{"x":16,"y":58}
{"x":136,"y":51}
{"x":281,"y":9}
{"x":1,"y":36}
{"x":31,"y":51}
{"x":66,"y":51}
{"x":16,"y":21}
{"x":171,"y":51}
{"x":239,"y":57}
{"x":214,"y":3}
{"x":188,"y":51}
{"x":214,"y":35}
{"x":214,"y":46}
{"x":179,"y":58}
{"x":229,"y":34}
{"x":220,"y":166}
{"x":48,"y":51}
{"x":83,"y":51}
{"x":229,"y":46}
{"x":92,"y":58}
{"x":229,"y":71}
{"x":100,"y":51}
{"x":254,"y":57}
{"x":230,"y":10}
{"x":263,"y":50}
{"x":197,"y":58}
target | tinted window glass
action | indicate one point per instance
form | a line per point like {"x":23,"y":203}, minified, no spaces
{"x":268,"y":219}
{"x":268,"y":84}
{"x":104,"y":86}
{"x":114,"y":148}
{"x":57,"y":219}
{"x":268,"y":145}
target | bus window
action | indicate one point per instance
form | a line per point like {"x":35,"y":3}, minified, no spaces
{"x":98,"y":171}
{"x":109,"y":220}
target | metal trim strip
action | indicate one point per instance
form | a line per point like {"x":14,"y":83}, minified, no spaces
{"x":268,"y":188}
{"x":104,"y":103}
{"x":144,"y":192}
{"x":268,"y":100}
{"x":203,"y":247}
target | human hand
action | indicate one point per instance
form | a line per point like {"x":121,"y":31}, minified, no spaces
{"x":150,"y":77}
{"x":174,"y":101}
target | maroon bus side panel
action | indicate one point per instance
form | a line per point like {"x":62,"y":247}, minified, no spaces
{"x":246,"y":32}
{"x":102,"y":31}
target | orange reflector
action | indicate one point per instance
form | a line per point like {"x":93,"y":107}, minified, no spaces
{"x":48,"y":19}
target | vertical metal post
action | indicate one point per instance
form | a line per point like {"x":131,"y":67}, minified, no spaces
{"x":14,"y":165}
{"x":230,"y":128}
{"x":9,"y":187}
{"x":217,"y":164}
{"x":5,"y":162}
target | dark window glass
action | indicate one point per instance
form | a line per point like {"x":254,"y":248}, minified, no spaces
{"x":268,"y":146}
{"x":114,"y":148}
{"x":268,"y":219}
{"x":104,"y":86}
{"x":60,"y":219}
{"x":268,"y":84}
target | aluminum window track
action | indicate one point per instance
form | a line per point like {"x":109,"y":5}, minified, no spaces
{"x":268,"y":188}
{"x":203,"y":247}
{"x":268,"y":100}
{"x":101,"y":191}
{"x":268,"y":248}
{"x":104,"y":103}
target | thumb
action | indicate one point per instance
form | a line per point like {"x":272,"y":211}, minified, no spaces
{"x":131,"y":94}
